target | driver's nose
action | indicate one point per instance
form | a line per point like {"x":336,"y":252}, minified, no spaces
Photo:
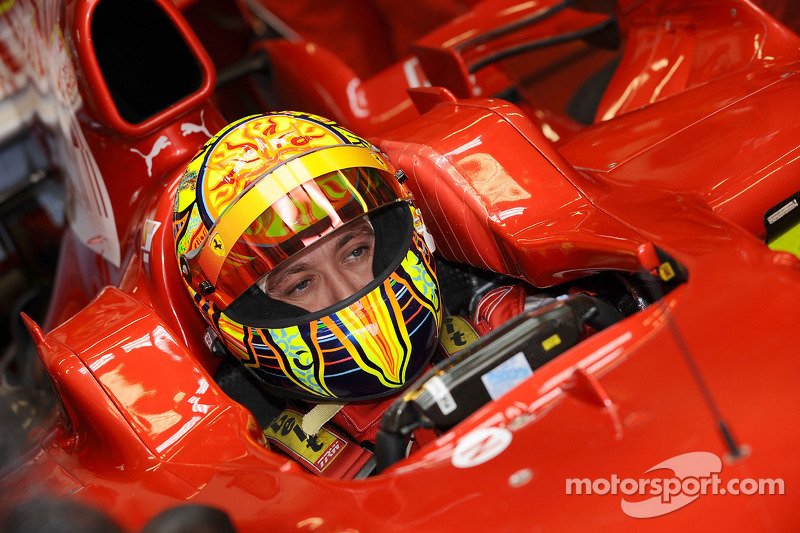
{"x":341,"y":284}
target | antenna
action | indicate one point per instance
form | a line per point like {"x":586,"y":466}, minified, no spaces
{"x":652,"y":259}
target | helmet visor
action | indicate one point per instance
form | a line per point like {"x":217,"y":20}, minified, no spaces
{"x":286,"y":211}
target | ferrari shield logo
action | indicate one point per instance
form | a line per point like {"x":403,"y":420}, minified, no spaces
{"x":217,"y":246}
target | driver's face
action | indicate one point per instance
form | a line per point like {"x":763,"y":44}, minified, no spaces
{"x":330,"y":270}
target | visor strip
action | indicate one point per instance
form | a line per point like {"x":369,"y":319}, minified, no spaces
{"x":238,"y":217}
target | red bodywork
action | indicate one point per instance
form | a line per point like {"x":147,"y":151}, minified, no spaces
{"x":695,"y":138}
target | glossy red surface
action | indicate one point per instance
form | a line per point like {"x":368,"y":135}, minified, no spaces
{"x":453,"y":52}
{"x":313,"y":78}
{"x":688,"y":159}
{"x":367,"y":35}
{"x":677,"y":45}
{"x":479,"y":172}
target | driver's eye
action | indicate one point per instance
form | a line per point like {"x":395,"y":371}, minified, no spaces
{"x":303,"y":285}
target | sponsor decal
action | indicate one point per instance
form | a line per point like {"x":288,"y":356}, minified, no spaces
{"x":217,"y":246}
{"x":150,"y":229}
{"x":507,"y":375}
{"x":456,"y":334}
{"x":315,"y":451}
{"x":480,"y":446}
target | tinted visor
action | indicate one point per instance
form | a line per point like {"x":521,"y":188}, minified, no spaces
{"x":287,"y":210}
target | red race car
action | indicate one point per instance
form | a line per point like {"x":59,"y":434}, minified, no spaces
{"x":635,"y":163}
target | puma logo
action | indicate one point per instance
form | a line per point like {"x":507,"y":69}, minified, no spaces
{"x":188,"y":128}
{"x":161,"y":143}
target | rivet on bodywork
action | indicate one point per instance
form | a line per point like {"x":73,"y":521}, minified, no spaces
{"x":519,"y":421}
{"x":520,"y":478}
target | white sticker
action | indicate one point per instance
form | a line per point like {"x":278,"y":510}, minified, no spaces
{"x":480,"y":446}
{"x":208,"y":339}
{"x":150,"y":228}
{"x":441,"y":395}
{"x":777,"y":215}
{"x":507,"y":375}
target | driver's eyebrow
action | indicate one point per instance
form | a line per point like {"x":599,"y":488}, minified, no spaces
{"x":273,"y":281}
{"x":362,"y":230}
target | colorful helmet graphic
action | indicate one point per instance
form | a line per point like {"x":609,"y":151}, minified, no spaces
{"x":269,"y":187}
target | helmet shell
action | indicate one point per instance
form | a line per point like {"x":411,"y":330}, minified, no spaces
{"x":266,"y":187}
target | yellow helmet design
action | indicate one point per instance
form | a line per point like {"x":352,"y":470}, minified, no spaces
{"x":269,"y":186}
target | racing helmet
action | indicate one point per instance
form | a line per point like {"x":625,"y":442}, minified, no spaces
{"x":261,"y":191}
